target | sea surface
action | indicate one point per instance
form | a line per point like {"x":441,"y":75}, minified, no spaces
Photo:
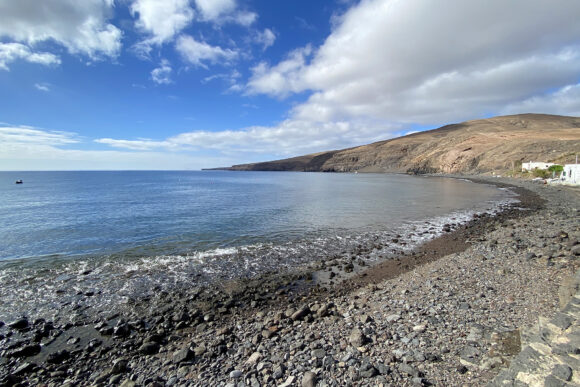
{"x":102,"y":239}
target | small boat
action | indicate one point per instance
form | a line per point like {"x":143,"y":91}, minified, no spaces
{"x":18,"y":181}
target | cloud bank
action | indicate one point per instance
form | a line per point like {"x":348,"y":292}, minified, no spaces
{"x":422,"y":62}
{"x":81,"y":27}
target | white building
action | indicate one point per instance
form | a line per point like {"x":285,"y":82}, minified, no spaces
{"x":535,"y":165}
{"x":571,"y":174}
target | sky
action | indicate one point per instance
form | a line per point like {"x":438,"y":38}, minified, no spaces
{"x":191,"y":84}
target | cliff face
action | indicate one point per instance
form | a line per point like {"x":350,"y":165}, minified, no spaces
{"x":478,"y":146}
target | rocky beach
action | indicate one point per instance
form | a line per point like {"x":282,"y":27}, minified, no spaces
{"x":455,"y":311}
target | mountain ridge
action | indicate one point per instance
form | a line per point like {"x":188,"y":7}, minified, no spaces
{"x":476,"y":146}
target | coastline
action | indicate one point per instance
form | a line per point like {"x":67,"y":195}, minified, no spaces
{"x":424,"y":317}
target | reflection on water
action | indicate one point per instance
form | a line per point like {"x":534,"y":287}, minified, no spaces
{"x":103,"y":238}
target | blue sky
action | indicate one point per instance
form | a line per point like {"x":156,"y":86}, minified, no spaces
{"x":189,"y":84}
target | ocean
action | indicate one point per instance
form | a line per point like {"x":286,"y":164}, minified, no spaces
{"x":105,"y":238}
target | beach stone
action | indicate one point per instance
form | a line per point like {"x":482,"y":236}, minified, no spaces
{"x":199,"y":350}
{"x":393,"y":317}
{"x":469,"y":355}
{"x":562,"y":371}
{"x":368,"y":371}
{"x":58,"y":357}
{"x":309,"y":379}
{"x":318,"y":353}
{"x":24,"y":368}
{"x":128,"y":383}
{"x":19,"y":324}
{"x":383,"y":369}
{"x":26,"y":351}
{"x":254,"y":358}
{"x":407,"y":369}
{"x":182,"y":355}
{"x":236,"y":374}
{"x":357,"y":338}
{"x":530,"y":256}
{"x":119,"y":367}
{"x":420,"y":328}
{"x":279,"y":371}
{"x":288,"y":382}
{"x":551,"y":381}
{"x":301,"y":313}
{"x":150,"y":348}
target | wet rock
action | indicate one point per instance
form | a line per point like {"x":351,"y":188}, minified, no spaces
{"x":58,"y":357}
{"x":149,"y":348}
{"x":21,"y":323}
{"x":24,"y":368}
{"x":25,"y":351}
{"x":119,"y":367}
{"x":121,"y":330}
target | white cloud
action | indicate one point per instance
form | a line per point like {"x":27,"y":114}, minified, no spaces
{"x":27,"y":148}
{"x":430,"y":62}
{"x":162,"y":74}
{"x":24,"y":135}
{"x":282,"y":79}
{"x":162,"y":20}
{"x":213,"y":9}
{"x":231,"y":79}
{"x":198,"y":53}
{"x":224,"y":11}
{"x":42,"y":87}
{"x":243,"y":18}
{"x":564,"y":101}
{"x":265,"y":38}
{"x":290,"y":137}
{"x":10,"y":52}
{"x":80,"y":26}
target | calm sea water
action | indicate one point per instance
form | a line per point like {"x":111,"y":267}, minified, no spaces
{"x":121,"y":234}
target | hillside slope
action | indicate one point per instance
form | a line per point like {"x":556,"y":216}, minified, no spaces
{"x":493,"y":144}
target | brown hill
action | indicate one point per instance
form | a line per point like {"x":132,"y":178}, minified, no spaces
{"x":493,"y":144}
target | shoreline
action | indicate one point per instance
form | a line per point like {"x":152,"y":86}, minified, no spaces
{"x":246,"y":330}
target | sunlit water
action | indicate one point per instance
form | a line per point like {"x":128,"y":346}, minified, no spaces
{"x":116,"y":236}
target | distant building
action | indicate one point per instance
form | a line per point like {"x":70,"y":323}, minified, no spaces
{"x":535,"y":165}
{"x":571,"y":174}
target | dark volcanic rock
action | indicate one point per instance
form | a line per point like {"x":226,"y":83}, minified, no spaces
{"x":150,"y":348}
{"x":182,"y":355}
{"x":19,"y":324}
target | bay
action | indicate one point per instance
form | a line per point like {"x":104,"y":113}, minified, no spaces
{"x":125,"y":234}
